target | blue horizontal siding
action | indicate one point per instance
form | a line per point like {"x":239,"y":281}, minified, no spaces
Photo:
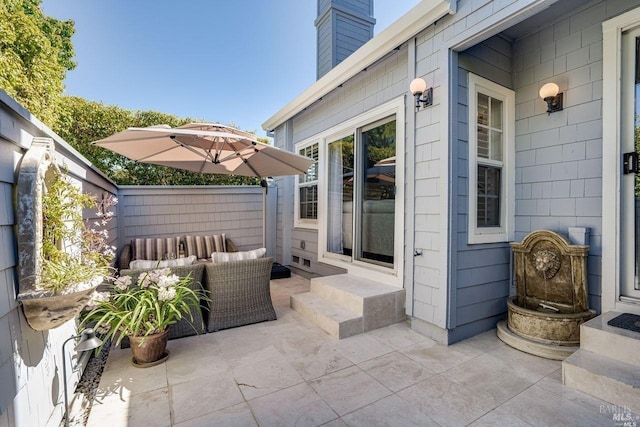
{"x":480,"y":272}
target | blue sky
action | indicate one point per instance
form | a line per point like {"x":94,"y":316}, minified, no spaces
{"x":227,"y":61}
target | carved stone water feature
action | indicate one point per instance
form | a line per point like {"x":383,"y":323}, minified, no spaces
{"x":551,"y":299}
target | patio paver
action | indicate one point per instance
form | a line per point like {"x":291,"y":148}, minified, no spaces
{"x":289,"y":372}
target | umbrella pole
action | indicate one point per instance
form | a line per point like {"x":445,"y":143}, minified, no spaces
{"x":264,"y":184}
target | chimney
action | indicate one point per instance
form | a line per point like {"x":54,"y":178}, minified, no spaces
{"x":342,"y":26}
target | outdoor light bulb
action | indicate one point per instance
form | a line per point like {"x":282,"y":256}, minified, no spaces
{"x":417,"y":86}
{"x":549,"y":90}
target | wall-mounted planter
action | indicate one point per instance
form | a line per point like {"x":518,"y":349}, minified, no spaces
{"x":43,"y":310}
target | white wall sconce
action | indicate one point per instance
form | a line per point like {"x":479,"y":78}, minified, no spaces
{"x":549,"y":92}
{"x":424,"y":96}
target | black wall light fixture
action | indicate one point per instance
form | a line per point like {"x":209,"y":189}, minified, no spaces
{"x":550,"y":93}
{"x":424,"y":96}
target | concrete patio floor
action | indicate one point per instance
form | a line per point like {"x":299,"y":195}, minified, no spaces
{"x":290,"y":373}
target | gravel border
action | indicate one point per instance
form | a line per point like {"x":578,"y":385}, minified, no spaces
{"x":88,"y":387}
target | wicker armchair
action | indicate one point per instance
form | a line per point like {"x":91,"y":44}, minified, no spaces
{"x":239,"y":292}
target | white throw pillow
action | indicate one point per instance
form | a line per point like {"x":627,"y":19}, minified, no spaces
{"x":143,"y":264}
{"x":217,"y":257}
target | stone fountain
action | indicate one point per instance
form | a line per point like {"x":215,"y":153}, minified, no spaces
{"x":551,"y":299}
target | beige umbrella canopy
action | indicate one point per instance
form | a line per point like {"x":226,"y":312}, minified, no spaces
{"x":205,"y":148}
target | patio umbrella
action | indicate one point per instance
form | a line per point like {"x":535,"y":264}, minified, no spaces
{"x":205,"y":148}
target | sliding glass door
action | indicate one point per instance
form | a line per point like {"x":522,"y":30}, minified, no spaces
{"x":361,"y":183}
{"x":340,"y":203}
{"x":377,"y":186}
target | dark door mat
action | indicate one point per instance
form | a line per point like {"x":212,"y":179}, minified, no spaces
{"x":628,"y":321}
{"x":279,"y":271}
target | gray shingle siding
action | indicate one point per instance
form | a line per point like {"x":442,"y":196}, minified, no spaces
{"x":166,"y":211}
{"x":559,"y":157}
{"x":480,"y":272}
{"x":30,"y":399}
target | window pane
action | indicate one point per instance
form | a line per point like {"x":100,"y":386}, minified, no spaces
{"x":312,"y":173}
{"x":378,"y":182}
{"x":496,"y":113}
{"x":483,"y":142}
{"x":488,"y":206}
{"x":496,"y":145}
{"x":309,"y":202}
{"x":340,"y":197}
{"x":483,"y":109}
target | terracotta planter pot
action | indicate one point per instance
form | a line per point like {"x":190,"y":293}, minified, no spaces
{"x":150,"y":348}
{"x":45,"y":311}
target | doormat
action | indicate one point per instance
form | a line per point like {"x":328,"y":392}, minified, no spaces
{"x":626,"y":321}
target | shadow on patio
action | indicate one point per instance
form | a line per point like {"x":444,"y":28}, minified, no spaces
{"x":290,"y":372}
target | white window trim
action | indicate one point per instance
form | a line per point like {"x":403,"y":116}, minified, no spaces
{"x":306,"y":222}
{"x":611,"y":175}
{"x":504,"y":233}
{"x":393,"y":275}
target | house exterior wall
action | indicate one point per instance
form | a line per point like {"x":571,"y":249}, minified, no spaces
{"x":459,"y":289}
{"x":164,"y":211}
{"x":31,"y":361}
{"x":440,"y":203}
{"x":380,"y":83}
{"x":481,"y":271}
{"x":559,"y":157}
{"x":429,"y":282}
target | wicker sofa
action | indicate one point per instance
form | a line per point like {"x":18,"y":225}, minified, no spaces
{"x":155,"y":248}
{"x":239,"y":293}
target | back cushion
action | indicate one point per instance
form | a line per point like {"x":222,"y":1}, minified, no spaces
{"x":154,"y":249}
{"x":217,"y":257}
{"x":203,"y":246}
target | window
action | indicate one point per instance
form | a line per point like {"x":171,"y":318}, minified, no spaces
{"x":307,"y":189}
{"x":491,"y":161}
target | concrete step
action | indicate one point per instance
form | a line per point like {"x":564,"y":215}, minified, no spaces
{"x":620,"y":344}
{"x":337,"y":321}
{"x":376,"y":304}
{"x":607,"y":379}
{"x":369,"y":298}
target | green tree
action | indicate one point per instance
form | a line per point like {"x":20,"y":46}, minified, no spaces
{"x":35,"y":54}
{"x":81,"y":122}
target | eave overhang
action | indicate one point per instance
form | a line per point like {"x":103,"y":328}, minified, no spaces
{"x":407,"y":26}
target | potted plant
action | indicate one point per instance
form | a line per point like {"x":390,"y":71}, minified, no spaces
{"x":143,"y":309}
{"x":75,"y":256}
